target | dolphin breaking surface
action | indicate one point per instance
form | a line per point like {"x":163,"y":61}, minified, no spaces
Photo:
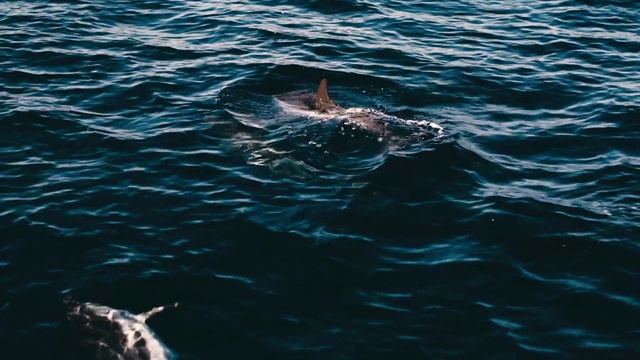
{"x":118,"y":334}
{"x":306,"y":135}
{"x":320,"y":106}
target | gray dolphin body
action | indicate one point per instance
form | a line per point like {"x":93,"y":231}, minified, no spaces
{"x":320,"y":106}
{"x":118,"y":334}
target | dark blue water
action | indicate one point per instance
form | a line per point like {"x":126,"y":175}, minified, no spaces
{"x":144,"y":160}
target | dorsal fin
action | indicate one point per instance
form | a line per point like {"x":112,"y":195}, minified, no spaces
{"x":144,"y":316}
{"x":322,"y":96}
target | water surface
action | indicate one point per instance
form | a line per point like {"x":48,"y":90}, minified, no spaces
{"x":144,"y":160}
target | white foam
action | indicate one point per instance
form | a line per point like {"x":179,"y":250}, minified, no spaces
{"x":426,"y":124}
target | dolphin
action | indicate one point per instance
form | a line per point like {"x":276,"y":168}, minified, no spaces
{"x":320,"y":105}
{"x":118,"y":334}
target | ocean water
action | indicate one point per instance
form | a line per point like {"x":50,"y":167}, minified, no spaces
{"x":146,"y":160}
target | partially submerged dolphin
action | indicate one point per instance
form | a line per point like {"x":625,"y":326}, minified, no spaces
{"x":319,"y":105}
{"x":118,"y":334}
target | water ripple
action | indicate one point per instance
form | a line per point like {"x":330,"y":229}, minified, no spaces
{"x":146,"y":160}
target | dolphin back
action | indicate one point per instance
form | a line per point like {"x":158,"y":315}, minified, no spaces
{"x":109,"y":333}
